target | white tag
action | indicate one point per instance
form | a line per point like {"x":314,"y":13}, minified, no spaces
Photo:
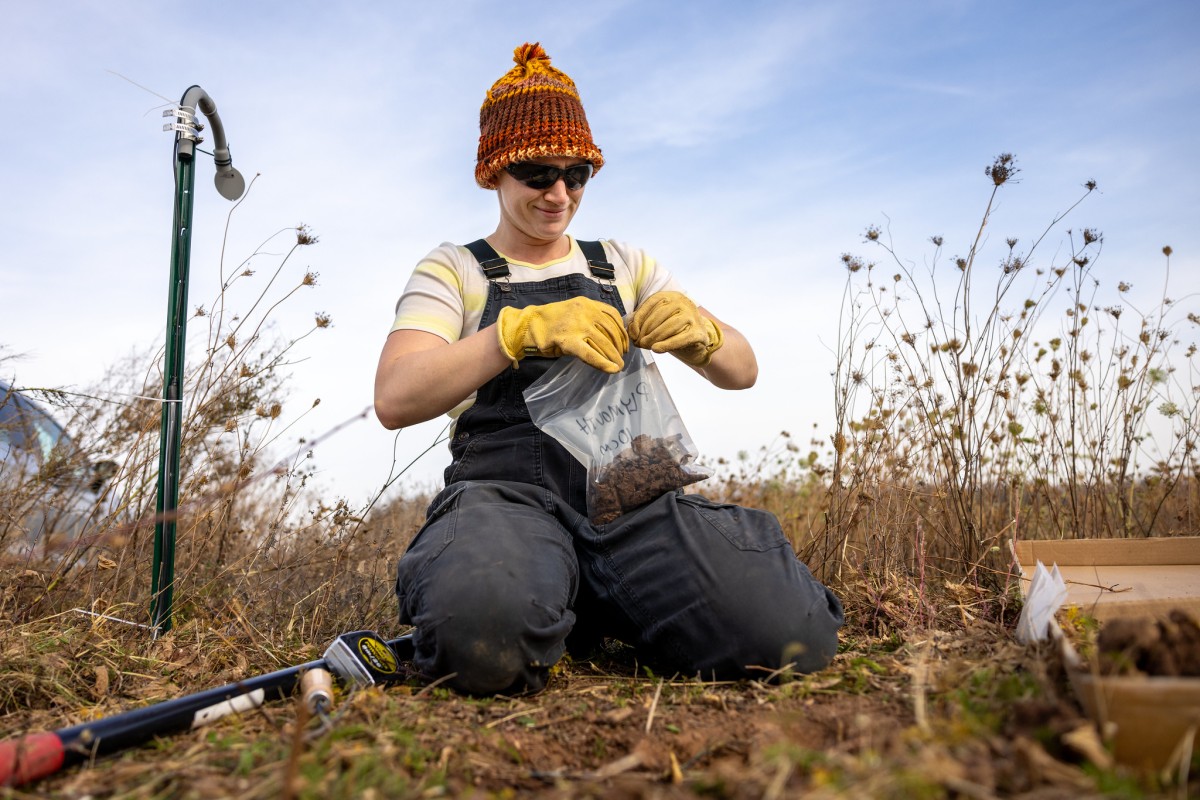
{"x":243,"y":702}
{"x":1047,"y":592}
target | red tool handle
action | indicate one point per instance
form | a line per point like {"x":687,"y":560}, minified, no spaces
{"x":30,"y":758}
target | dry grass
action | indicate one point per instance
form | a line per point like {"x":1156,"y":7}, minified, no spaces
{"x":946,"y":708}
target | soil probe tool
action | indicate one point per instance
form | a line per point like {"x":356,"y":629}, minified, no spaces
{"x":357,"y":659}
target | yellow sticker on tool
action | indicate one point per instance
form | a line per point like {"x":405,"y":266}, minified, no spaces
{"x":377,"y":654}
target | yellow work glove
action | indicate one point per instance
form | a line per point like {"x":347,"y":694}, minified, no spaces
{"x":670,"y":323}
{"x":581,"y":327}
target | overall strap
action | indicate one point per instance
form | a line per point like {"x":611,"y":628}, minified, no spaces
{"x":494,"y":266}
{"x":597,"y":263}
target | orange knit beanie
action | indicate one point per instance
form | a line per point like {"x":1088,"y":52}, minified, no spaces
{"x":533,"y":111}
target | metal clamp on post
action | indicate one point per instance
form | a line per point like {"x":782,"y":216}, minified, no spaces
{"x":186,"y":124}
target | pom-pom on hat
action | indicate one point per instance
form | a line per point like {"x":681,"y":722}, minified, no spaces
{"x":533,"y":111}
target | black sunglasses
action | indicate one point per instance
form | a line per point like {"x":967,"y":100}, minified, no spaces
{"x":543,"y":176}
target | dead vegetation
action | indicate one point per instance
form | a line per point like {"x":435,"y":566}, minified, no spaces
{"x":946,"y":710}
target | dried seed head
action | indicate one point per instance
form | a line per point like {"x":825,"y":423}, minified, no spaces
{"x":872,"y":234}
{"x":1003,"y":169}
{"x":1124,"y":287}
{"x":1167,"y":251}
{"x":937,"y":241}
{"x":1090,"y":235}
{"x":961,"y":263}
{"x":305,"y":236}
{"x":273,"y":411}
{"x":853,"y":263}
{"x":200,"y":312}
{"x":310,"y":278}
{"x":1090,"y":186}
{"x":324,"y":320}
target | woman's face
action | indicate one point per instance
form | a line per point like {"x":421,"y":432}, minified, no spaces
{"x":538,"y":216}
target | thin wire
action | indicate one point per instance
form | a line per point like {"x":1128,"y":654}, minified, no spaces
{"x":143,"y":88}
{"x":110,"y":618}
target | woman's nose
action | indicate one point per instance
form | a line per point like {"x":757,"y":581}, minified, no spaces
{"x":557,"y":192}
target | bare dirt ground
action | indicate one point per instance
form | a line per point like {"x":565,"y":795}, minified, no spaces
{"x":923,"y":713}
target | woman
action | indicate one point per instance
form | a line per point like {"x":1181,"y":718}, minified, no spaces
{"x":507,"y":563}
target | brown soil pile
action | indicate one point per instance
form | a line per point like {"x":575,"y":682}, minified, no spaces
{"x":1169,"y":648}
{"x":645,"y":470}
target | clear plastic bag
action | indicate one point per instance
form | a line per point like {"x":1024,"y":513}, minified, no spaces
{"x":624,"y":428}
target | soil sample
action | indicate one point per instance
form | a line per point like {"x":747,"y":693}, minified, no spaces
{"x":644,"y":471}
{"x":1167,"y":648}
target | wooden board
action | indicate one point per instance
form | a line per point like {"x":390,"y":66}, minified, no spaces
{"x":1110,"y":578}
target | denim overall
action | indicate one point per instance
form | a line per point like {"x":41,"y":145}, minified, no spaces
{"x":507,"y":557}
{"x":495,"y":438}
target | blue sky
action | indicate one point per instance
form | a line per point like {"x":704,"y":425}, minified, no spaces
{"x":748,"y":145}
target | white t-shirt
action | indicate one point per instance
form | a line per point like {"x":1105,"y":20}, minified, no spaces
{"x":447,"y":291}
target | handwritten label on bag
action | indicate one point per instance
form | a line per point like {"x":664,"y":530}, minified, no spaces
{"x":612,"y":426}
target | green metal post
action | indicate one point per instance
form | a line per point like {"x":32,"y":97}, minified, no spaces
{"x":163,"y":578}
{"x":231,"y":185}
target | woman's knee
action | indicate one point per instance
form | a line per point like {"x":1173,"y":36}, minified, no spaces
{"x":479,"y":656}
{"x":485,"y":638}
{"x":755,"y":634}
{"x":775,"y":640}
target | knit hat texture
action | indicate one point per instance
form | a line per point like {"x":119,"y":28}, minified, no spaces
{"x":533,"y":111}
